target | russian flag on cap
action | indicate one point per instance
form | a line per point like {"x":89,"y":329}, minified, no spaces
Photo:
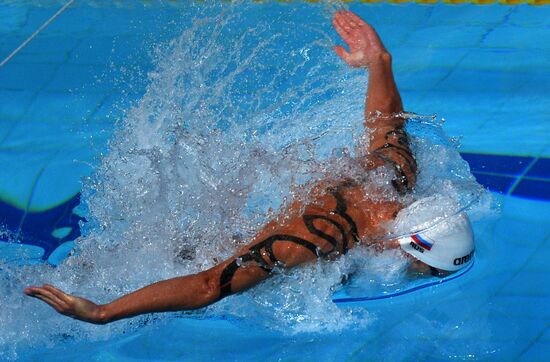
{"x":422,"y":241}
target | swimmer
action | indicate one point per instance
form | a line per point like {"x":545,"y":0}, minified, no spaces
{"x":338,"y":217}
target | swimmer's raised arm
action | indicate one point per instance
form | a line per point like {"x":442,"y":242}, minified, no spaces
{"x":388,"y":140}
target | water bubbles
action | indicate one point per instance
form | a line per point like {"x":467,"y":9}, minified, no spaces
{"x":304,"y":53}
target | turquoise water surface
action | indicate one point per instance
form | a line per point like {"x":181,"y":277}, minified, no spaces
{"x":116,"y":121}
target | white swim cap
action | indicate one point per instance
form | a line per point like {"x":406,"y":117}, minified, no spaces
{"x":448,"y":245}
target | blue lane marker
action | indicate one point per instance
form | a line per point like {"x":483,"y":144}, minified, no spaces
{"x":541,"y":169}
{"x":499,"y":173}
{"x":496,"y":183}
{"x":533,"y":189}
{"x":42,"y":228}
{"x":500,"y":164}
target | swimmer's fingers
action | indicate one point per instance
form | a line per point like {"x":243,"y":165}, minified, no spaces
{"x":48,"y":297}
{"x":348,"y":39}
{"x":342,"y":23}
{"x":59,"y":294}
{"x":353,"y":19}
{"x":349,"y":31}
{"x":340,"y":30}
{"x":342,"y":53}
{"x":69,"y":305}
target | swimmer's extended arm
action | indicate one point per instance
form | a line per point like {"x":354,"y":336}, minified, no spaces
{"x":181,"y":293}
{"x":388,"y":140}
{"x":302,"y":238}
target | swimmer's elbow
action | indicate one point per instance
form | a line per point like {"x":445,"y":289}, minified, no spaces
{"x":103,"y":316}
{"x":208,"y":289}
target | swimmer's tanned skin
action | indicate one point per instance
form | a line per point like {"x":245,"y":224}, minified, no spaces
{"x":338,"y":217}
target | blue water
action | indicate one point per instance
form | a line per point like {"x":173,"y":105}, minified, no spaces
{"x":484,"y":69}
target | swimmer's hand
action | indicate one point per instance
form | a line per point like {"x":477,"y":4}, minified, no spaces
{"x":69,"y":305}
{"x":364,"y":43}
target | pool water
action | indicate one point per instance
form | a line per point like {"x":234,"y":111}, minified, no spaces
{"x":101,"y":74}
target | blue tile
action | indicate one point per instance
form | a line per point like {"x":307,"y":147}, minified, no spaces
{"x":533,"y":189}
{"x":529,"y":234}
{"x":505,"y":59}
{"x":410,"y":14}
{"x":59,"y":181}
{"x":508,"y":36}
{"x":110,"y":108}
{"x":526,"y":101}
{"x":9,"y":43}
{"x":35,"y":17}
{"x":60,"y":108}
{"x":47,"y":49}
{"x":16,"y":185}
{"x":81,"y":78}
{"x":13,"y":18}
{"x":495,"y":183}
{"x":26,"y":76}
{"x":538,"y":352}
{"x":421,"y":79}
{"x":117,"y":22}
{"x":13,"y":103}
{"x":488,"y":80}
{"x":539,"y":260}
{"x":441,"y":36}
{"x":530,"y":16}
{"x":540,"y":169}
{"x":14,"y":251}
{"x":534,"y":103}
{"x":130,"y":50}
{"x":531,"y":308}
{"x":506,"y":131}
{"x":529,"y":284}
{"x":78,"y":19}
{"x":455,"y":101}
{"x":411,"y":58}
{"x":508,"y":327}
{"x":507,"y":165}
{"x":457,"y":16}
{"x":94,"y":50}
{"x":530,"y":211}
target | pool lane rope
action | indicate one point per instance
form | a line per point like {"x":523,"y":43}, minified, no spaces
{"x":28,"y":40}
